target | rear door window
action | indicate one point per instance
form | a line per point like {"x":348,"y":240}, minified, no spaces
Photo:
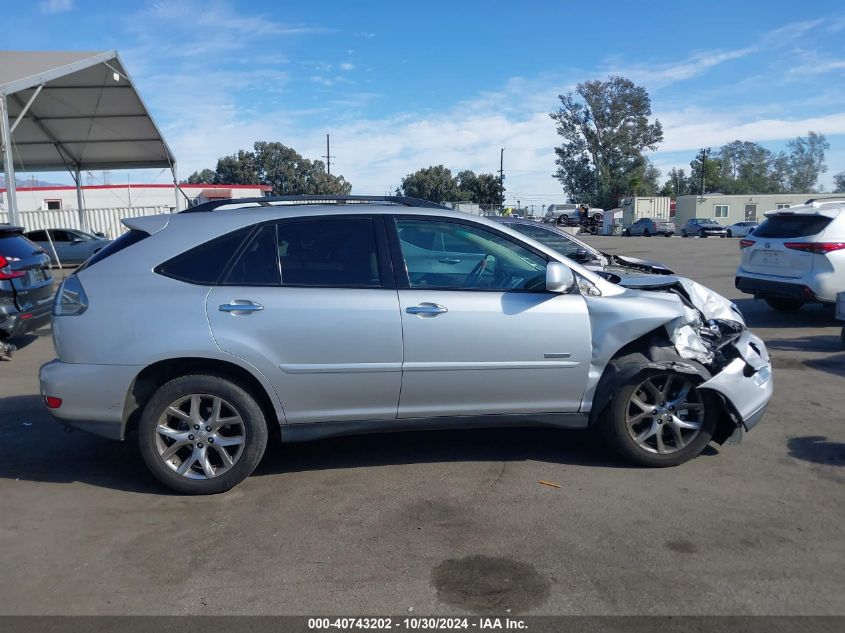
{"x":779,"y":226}
{"x":329,"y":252}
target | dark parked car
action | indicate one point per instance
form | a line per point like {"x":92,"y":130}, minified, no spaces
{"x":72,"y":246}
{"x":589,"y":257}
{"x":703,"y":227}
{"x":26,"y":287}
{"x":649,"y":226}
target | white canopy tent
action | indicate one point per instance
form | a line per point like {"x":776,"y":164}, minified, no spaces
{"x":77,"y":111}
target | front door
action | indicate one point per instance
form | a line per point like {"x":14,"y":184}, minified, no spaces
{"x":315,"y":301}
{"x":486,"y":338}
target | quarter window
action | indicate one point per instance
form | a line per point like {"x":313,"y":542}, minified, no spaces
{"x":546,"y":237}
{"x":721,"y":210}
{"x":459,"y":256}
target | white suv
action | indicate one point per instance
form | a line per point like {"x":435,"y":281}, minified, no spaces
{"x":796,"y":256}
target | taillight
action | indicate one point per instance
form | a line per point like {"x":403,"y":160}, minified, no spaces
{"x":818,"y":248}
{"x":6,"y":271}
{"x":71,"y":299}
{"x":746,"y":243}
{"x":52,"y":402}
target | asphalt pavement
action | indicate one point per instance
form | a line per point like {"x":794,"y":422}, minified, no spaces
{"x":448,"y":522}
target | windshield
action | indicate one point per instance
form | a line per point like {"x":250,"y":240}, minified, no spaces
{"x":707,"y":221}
{"x":556,"y":241}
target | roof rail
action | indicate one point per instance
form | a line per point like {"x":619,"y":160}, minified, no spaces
{"x":832,"y":198}
{"x":276,"y":201}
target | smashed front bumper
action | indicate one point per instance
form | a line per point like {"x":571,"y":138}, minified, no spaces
{"x":746,"y":382}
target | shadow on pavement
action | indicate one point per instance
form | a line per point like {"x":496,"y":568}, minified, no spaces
{"x":758,"y":314}
{"x":27,"y":339}
{"x":38,"y":449}
{"x":554,"y":446}
{"x":816,"y":449}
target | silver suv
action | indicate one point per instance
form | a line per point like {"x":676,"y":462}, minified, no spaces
{"x":206,"y":330}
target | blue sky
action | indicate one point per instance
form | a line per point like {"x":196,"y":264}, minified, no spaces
{"x":400,"y":86}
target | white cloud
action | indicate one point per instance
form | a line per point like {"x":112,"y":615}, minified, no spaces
{"x":347,"y":66}
{"x":55,"y":6}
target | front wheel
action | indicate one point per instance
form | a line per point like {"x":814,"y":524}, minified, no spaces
{"x":627,"y":232}
{"x":701,"y":233}
{"x":784,"y":305}
{"x":646,"y":233}
{"x":683,"y":233}
{"x":730,"y":233}
{"x":202,"y":434}
{"x":660,"y":419}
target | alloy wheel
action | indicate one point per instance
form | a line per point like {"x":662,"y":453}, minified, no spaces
{"x":664,"y":413}
{"x":200,"y":436}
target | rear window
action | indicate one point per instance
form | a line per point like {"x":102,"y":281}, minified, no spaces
{"x":124,"y":241}
{"x":204,"y":264}
{"x":17,"y":246}
{"x":792,"y":226}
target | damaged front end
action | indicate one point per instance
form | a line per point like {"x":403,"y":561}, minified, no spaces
{"x":713,"y":333}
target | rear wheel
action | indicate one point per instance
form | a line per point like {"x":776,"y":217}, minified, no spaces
{"x":660,"y":419}
{"x":784,"y":305}
{"x":202,"y":434}
{"x":627,"y":232}
{"x":646,"y":233}
{"x":683,"y":232}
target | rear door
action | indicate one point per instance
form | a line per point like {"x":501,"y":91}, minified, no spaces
{"x":769,"y":256}
{"x":315,"y":299}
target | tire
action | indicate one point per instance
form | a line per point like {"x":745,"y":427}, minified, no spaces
{"x":627,"y":232}
{"x":244,"y":455}
{"x":784,"y":305}
{"x":646,"y":233}
{"x":730,"y":233}
{"x":668,"y":234}
{"x":683,"y":232}
{"x":702,"y":234}
{"x":615,"y":422}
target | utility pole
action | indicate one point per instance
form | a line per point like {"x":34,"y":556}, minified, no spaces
{"x":502,"y":174}
{"x":704,"y":152}
{"x":328,"y":157}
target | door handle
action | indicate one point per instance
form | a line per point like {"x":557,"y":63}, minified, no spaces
{"x":449,"y":260}
{"x":240,"y":307}
{"x":427,"y":309}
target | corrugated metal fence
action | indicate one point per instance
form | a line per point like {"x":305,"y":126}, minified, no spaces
{"x":105,"y":221}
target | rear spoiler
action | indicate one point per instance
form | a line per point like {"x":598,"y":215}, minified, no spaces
{"x":147,"y":223}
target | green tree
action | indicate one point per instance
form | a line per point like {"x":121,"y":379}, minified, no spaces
{"x":280,"y":167}
{"x":806,"y":161}
{"x":713,"y":177}
{"x":605,"y":128}
{"x":484,"y":189}
{"x":839,"y":182}
{"x":434,"y":183}
{"x":745,"y":168}
{"x":204,"y":177}
{"x":676,"y":184}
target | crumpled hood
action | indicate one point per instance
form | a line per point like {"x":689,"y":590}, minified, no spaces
{"x":710,"y":321}
{"x":709,"y":303}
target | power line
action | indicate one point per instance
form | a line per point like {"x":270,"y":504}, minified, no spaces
{"x":328,"y":157}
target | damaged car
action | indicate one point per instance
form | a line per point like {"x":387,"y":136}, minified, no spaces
{"x":310,"y":317}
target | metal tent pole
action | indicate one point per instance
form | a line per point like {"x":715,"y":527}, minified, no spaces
{"x":175,"y":186}
{"x":8,"y":161}
{"x":83,"y":216}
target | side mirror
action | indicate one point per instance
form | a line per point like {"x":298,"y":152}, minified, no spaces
{"x":582,"y":255}
{"x":100,"y":235}
{"x":559,"y":277}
